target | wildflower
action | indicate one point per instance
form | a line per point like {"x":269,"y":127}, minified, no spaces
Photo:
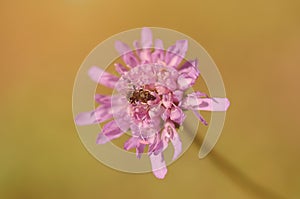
{"x":150,"y":100}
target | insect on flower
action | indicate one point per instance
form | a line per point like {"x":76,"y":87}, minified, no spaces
{"x":139,"y":95}
{"x":151,"y":98}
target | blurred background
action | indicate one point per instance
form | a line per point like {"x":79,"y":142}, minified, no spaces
{"x":256,"y":46}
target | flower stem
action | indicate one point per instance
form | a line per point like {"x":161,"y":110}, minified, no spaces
{"x":238,"y":176}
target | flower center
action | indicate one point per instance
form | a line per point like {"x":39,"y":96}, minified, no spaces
{"x":143,"y":95}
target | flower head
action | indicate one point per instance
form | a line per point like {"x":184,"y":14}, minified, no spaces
{"x":150,"y":98}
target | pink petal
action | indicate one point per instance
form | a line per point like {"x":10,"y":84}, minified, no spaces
{"x":188,"y":64}
{"x":109,"y":132}
{"x":131,"y":143}
{"x":166,"y":114}
{"x":86,"y":118}
{"x":169,"y":53}
{"x":131,"y":60}
{"x":122,"y":48}
{"x":167,"y":100}
{"x":177,"y":95}
{"x":176,"y":53}
{"x":120,"y":68}
{"x":190,"y":68}
{"x":103,"y":99}
{"x":158,"y":165}
{"x":140,"y":150}
{"x":189,"y":73}
{"x":194,"y":102}
{"x":156,"y":147}
{"x":200,"y":117}
{"x":126,"y":53}
{"x":137,"y":47}
{"x":143,"y":48}
{"x":159,"y":44}
{"x":184,"y":82}
{"x":100,"y":76}
{"x":177,"y":115}
{"x":158,"y":54}
{"x":103,"y":113}
{"x":146,"y":38}
{"x":176,"y":144}
{"x":215,"y":104}
{"x":145,"y":56}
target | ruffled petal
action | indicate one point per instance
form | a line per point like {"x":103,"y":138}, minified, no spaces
{"x":166,"y":114}
{"x":184,"y":81}
{"x":177,"y":115}
{"x":110,"y":131}
{"x":188,"y":74}
{"x":158,"y":165}
{"x":100,"y":76}
{"x":177,"y":95}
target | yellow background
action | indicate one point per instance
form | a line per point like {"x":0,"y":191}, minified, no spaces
{"x":256,"y":46}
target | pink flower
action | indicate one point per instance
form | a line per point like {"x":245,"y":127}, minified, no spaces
{"x":150,"y":99}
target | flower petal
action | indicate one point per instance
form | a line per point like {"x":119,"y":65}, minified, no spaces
{"x":158,"y":165}
{"x":86,"y":118}
{"x":103,"y":113}
{"x":122,"y":48}
{"x":103,"y":99}
{"x":127,"y":54}
{"x":131,"y":60}
{"x":200,"y":117}
{"x":176,"y":53}
{"x":131,"y":143}
{"x":176,"y":144}
{"x":184,"y":82}
{"x":120,"y":68}
{"x":177,"y":95}
{"x":185,"y":68}
{"x":109,"y":132}
{"x":189,"y":73}
{"x":158,"y":55}
{"x":140,"y":150}
{"x":100,"y":76}
{"x":146,"y":38}
{"x":166,"y":114}
{"x":194,"y":102}
{"x":177,"y":115}
{"x":156,"y":147}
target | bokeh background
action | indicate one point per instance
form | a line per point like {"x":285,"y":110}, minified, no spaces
{"x":256,"y":46}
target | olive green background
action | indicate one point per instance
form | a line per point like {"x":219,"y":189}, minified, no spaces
{"x":256,"y":46}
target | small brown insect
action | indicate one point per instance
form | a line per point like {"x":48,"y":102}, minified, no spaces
{"x":140,"y":95}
